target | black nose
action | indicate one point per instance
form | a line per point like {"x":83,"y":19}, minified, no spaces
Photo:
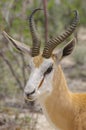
{"x":29,"y":94}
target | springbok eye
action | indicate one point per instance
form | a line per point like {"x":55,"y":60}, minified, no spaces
{"x":48,"y":70}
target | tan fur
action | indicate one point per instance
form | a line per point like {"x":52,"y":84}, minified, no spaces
{"x":66,"y":110}
{"x":38,"y":60}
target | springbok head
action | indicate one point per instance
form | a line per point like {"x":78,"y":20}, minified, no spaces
{"x":43,"y":65}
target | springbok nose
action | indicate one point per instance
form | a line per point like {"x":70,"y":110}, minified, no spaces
{"x":29,"y":94}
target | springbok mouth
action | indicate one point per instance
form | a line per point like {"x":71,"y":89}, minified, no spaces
{"x":29,"y":99}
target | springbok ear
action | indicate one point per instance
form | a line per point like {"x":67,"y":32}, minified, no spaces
{"x":67,"y":50}
{"x":18,"y":45}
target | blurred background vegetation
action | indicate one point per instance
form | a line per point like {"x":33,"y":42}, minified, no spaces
{"x":14,"y":16}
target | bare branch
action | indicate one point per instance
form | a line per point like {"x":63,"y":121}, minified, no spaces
{"x":46,"y":19}
{"x":11,"y":69}
{"x":14,"y":55}
{"x":23,"y":69}
{"x":6,"y":12}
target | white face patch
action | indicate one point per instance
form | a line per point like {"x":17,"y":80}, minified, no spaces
{"x":38,"y":82}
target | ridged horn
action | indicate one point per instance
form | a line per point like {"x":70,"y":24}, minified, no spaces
{"x":35,"y":37}
{"x":51,"y":44}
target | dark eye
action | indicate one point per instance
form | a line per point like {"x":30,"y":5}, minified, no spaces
{"x":48,"y":70}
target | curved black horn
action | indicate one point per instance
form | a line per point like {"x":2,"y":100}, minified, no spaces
{"x":51,"y":44}
{"x":35,"y":37}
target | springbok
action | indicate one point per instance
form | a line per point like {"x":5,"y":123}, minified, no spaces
{"x":64,"y":109}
